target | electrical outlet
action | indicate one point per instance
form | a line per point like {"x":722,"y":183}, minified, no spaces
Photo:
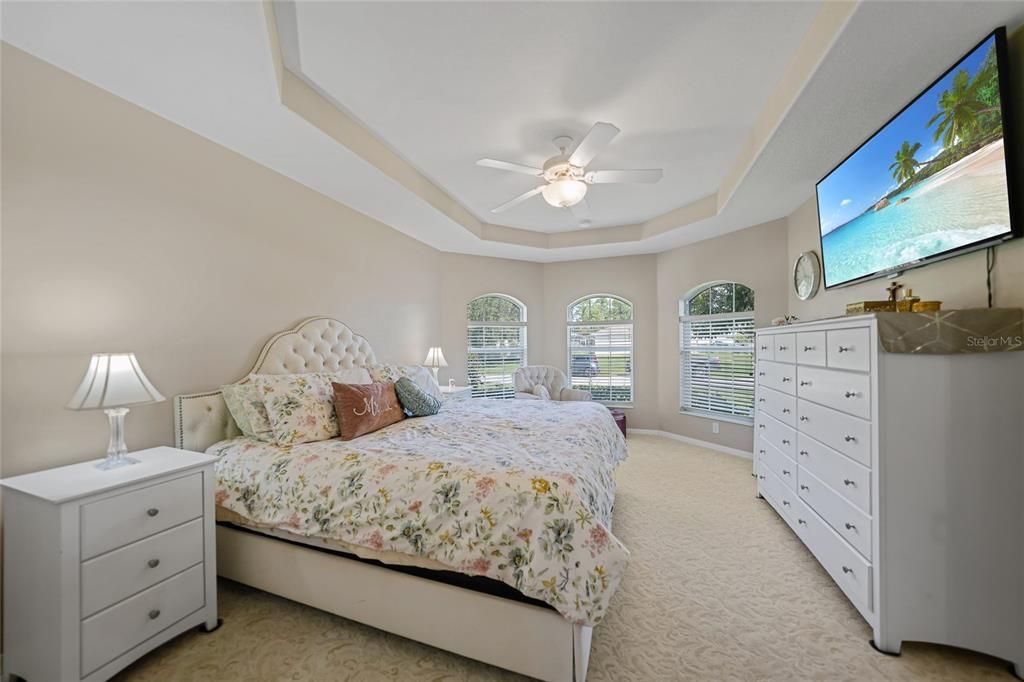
{"x":714,"y":427}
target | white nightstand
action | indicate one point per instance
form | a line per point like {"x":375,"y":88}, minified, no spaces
{"x":456,"y":392}
{"x":101,"y":567}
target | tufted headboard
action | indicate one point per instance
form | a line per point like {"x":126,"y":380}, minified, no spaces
{"x":319,"y":344}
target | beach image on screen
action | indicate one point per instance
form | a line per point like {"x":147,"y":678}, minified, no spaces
{"x":932,"y":180}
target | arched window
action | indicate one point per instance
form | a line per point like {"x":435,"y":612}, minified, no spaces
{"x":600,"y":342}
{"x":716,"y":351}
{"x":495,"y":344}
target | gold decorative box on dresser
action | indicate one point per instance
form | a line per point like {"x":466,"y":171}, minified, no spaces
{"x":903,"y":474}
{"x":101,"y":567}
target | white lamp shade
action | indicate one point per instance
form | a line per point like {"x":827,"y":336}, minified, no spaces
{"x":435,"y":358}
{"x":113,"y":380}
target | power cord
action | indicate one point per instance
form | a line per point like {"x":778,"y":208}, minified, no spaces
{"x":990,"y":264}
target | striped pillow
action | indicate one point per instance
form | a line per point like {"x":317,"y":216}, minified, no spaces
{"x":415,"y":401}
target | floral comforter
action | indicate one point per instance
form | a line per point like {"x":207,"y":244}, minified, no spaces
{"x":520,"y":491}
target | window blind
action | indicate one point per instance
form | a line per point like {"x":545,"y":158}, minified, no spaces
{"x":601,"y":359}
{"x":717,"y":364}
{"x":495,"y":350}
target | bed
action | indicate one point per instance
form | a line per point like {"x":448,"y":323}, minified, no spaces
{"x":484,"y":530}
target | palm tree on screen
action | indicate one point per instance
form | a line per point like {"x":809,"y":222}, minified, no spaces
{"x":905,"y":165}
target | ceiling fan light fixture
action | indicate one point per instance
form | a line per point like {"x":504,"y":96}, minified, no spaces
{"x":564,"y":193}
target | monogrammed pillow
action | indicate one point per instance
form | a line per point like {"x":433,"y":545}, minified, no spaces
{"x":365,"y":408}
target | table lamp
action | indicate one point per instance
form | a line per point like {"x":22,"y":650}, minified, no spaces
{"x":435,"y":360}
{"x":112,"y":383}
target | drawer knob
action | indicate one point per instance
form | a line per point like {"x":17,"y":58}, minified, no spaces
{"x":847,"y":569}
{"x":804,"y":453}
{"x":764,"y":347}
{"x":753,"y":475}
{"x":801,"y":522}
{"x":760,"y":374}
{"x":785,"y":410}
{"x":851,"y":394}
{"x":154,"y":614}
{"x":803,"y":487}
{"x":785,"y":503}
{"x":760,"y":426}
{"x":808,"y":349}
{"x":849,"y":439}
{"x":785,"y":442}
{"x":847,"y":481}
{"x":760,"y":452}
{"x":805,"y":419}
{"x":785,"y":472}
{"x":153,"y":563}
{"x":782,"y":347}
{"x":761,"y":476}
{"x":845,"y":349}
{"x":805,"y":383}
{"x":760,"y":400}
{"x":153,"y":512}
{"x":850,"y":526}
{"x":786,"y":379}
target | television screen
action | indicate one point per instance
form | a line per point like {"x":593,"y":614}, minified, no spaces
{"x":931,"y":183}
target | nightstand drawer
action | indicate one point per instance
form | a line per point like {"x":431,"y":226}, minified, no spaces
{"x":115,"y":631}
{"x":110,"y":578}
{"x":116,"y":521}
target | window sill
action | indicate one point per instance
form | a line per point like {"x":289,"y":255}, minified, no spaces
{"x":618,"y":406}
{"x":729,"y":418}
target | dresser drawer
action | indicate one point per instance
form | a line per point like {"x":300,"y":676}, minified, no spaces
{"x":851,"y":523}
{"x":115,"y":631}
{"x":778,"y":494}
{"x":777,"y":404}
{"x":778,"y":376}
{"x":109,"y":578}
{"x":778,"y":434}
{"x":844,"y":391}
{"x":810,"y":348}
{"x":785,"y":347}
{"x":849,"y":349}
{"x":839,"y":472}
{"x":783,"y":466}
{"x":765,"y":348}
{"x":848,"y":434}
{"x":116,"y":521}
{"x":848,"y":569}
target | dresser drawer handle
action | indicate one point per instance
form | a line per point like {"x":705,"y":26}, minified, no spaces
{"x":153,"y":512}
{"x":805,"y":419}
{"x":154,"y":614}
{"x":801,"y":522}
{"x":845,"y":349}
{"x":785,"y":472}
{"x":760,"y":400}
{"x":805,"y":383}
{"x":808,"y":349}
{"x":804,"y":453}
{"x":761,"y":476}
{"x":850,"y":526}
{"x":760,"y":374}
{"x":847,"y":481}
{"x":785,"y":410}
{"x":753,"y":475}
{"x":847,"y":569}
{"x":760,"y":426}
{"x":764,"y":347}
{"x":153,"y":563}
{"x":803,"y":487}
{"x":849,"y":439}
{"x":786,"y":379}
{"x":785,"y":503}
{"x":851,"y":394}
{"x":760,"y":452}
{"x":783,"y":347}
{"x":785,"y":442}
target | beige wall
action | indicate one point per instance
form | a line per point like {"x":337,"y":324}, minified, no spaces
{"x":755,"y":257}
{"x":633,"y":278}
{"x":122,"y":231}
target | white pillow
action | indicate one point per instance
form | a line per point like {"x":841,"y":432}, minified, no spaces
{"x":541,"y":391}
{"x":352,"y":375}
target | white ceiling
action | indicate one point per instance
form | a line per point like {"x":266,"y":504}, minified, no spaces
{"x":207,"y":67}
{"x":447,"y":84}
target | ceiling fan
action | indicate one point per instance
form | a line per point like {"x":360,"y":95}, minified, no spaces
{"x":566,"y":174}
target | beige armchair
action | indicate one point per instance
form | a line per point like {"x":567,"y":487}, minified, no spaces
{"x":552,"y":380}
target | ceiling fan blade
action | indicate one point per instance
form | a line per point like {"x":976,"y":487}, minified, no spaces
{"x":603,"y":177}
{"x":518,"y":200}
{"x":509,"y":166}
{"x":592,"y":144}
{"x":581,"y":212}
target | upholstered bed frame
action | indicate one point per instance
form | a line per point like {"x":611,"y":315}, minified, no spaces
{"x":522,"y":637}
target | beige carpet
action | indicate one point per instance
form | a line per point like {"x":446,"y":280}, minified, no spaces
{"x":718,"y":588}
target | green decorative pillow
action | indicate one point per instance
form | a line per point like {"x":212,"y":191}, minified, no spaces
{"x":415,"y":401}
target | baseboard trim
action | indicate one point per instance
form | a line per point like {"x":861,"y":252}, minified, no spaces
{"x":694,"y":441}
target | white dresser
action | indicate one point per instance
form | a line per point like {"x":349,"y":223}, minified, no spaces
{"x":100,"y":567}
{"x":904,"y":475}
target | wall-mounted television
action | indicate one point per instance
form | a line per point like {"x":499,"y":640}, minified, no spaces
{"x":935,"y":181}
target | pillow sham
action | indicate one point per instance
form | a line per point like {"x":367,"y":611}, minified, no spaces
{"x":232,"y":394}
{"x":421,"y":376}
{"x":542,"y":392}
{"x":352,"y":375}
{"x":299,"y":407}
{"x":246,"y":407}
{"x":365,"y":408}
{"x":415,"y":401}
